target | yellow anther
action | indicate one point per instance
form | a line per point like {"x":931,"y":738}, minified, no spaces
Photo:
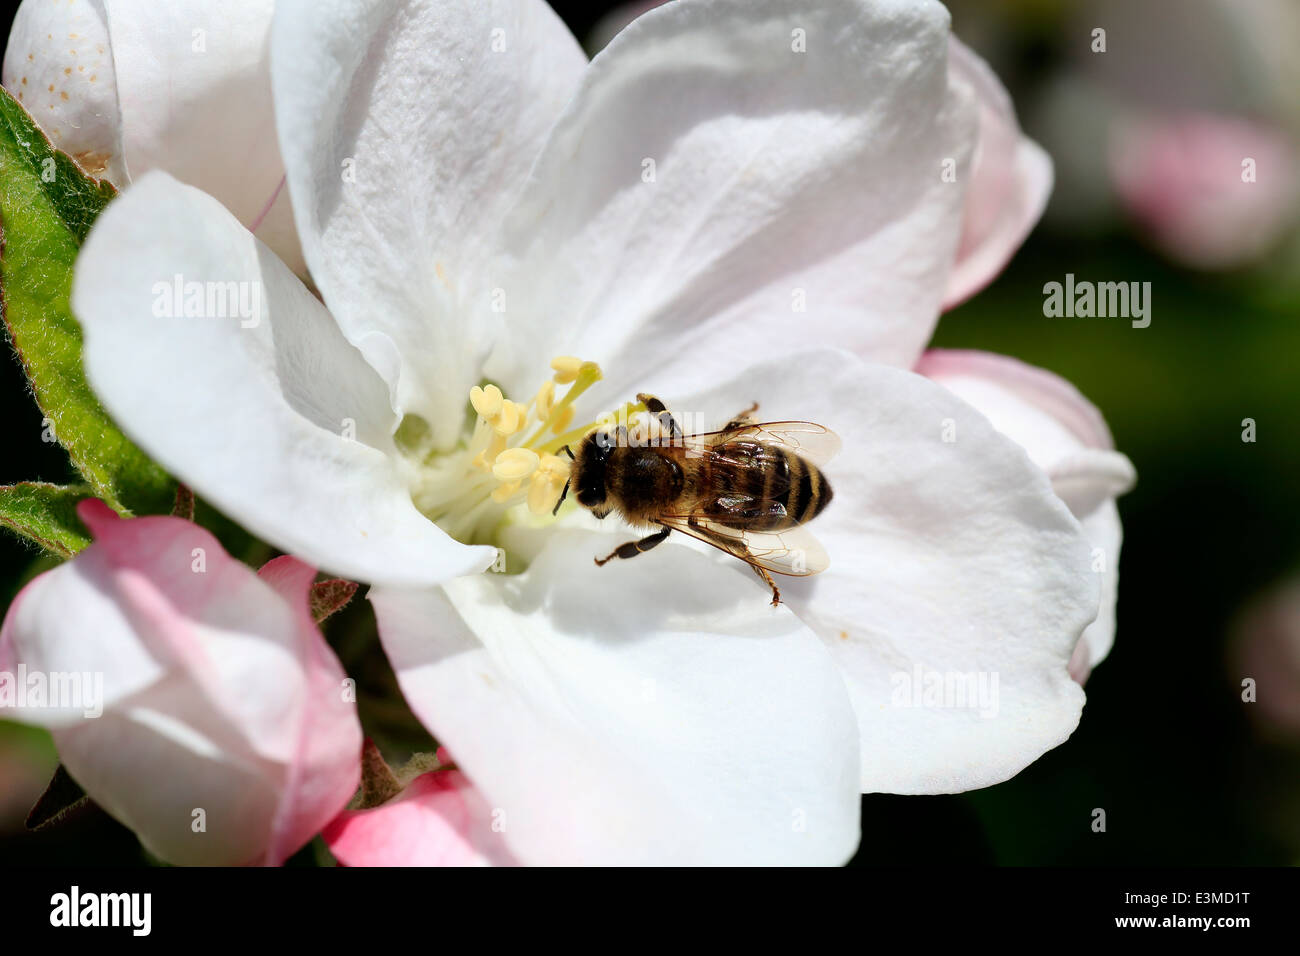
{"x":486,"y":401}
{"x":542,"y":495}
{"x":504,"y":493}
{"x":547,"y":483}
{"x":563,"y":420}
{"x":566,"y":368}
{"x":515,"y":464}
{"x":553,"y":466}
{"x":510,"y":419}
{"x":545,"y":400}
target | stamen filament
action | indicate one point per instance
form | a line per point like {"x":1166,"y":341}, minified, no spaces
{"x":588,"y":375}
{"x":623,"y":413}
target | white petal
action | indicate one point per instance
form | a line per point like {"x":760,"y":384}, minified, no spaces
{"x":787,"y":187}
{"x":408,"y":129}
{"x":1088,"y":478}
{"x":252,"y":412}
{"x":947,"y":558}
{"x":1011,"y":179}
{"x":655,"y":711}
{"x":1105,"y":533}
{"x":195,"y":90}
{"x":59,"y":66}
{"x":1066,"y":436}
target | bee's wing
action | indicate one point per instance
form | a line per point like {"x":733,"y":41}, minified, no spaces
{"x":817,"y":443}
{"x":794,"y":551}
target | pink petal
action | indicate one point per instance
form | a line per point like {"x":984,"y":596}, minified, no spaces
{"x":323,"y":741}
{"x":438,"y":820}
{"x":218,"y":692}
{"x":1080,"y":666}
{"x":1011,"y":179}
{"x":1038,"y":387}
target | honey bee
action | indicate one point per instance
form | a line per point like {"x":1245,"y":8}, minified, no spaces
{"x":746,"y":489}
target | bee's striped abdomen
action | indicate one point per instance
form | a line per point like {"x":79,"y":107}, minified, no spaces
{"x":806,"y":490}
{"x":763,"y":487}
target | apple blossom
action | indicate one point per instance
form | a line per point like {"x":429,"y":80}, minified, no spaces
{"x":218,"y":728}
{"x":697,"y":213}
{"x":184,"y":86}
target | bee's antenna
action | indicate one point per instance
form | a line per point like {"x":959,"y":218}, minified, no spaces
{"x":568,"y":451}
{"x":563,"y":494}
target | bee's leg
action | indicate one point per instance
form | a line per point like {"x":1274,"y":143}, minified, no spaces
{"x":767,"y":579}
{"x":657,"y":408}
{"x":633,"y":548}
{"x":744,"y":418}
{"x":740,"y":550}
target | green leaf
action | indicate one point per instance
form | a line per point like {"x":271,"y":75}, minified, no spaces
{"x":46,"y":514}
{"x":47,"y":205}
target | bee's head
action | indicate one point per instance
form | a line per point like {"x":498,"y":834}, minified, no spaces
{"x":588,"y":477}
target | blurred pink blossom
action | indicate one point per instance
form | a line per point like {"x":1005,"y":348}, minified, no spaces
{"x":1213,"y":191}
{"x":1266,"y":650}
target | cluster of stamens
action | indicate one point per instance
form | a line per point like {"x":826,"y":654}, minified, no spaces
{"x":515,"y":454}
